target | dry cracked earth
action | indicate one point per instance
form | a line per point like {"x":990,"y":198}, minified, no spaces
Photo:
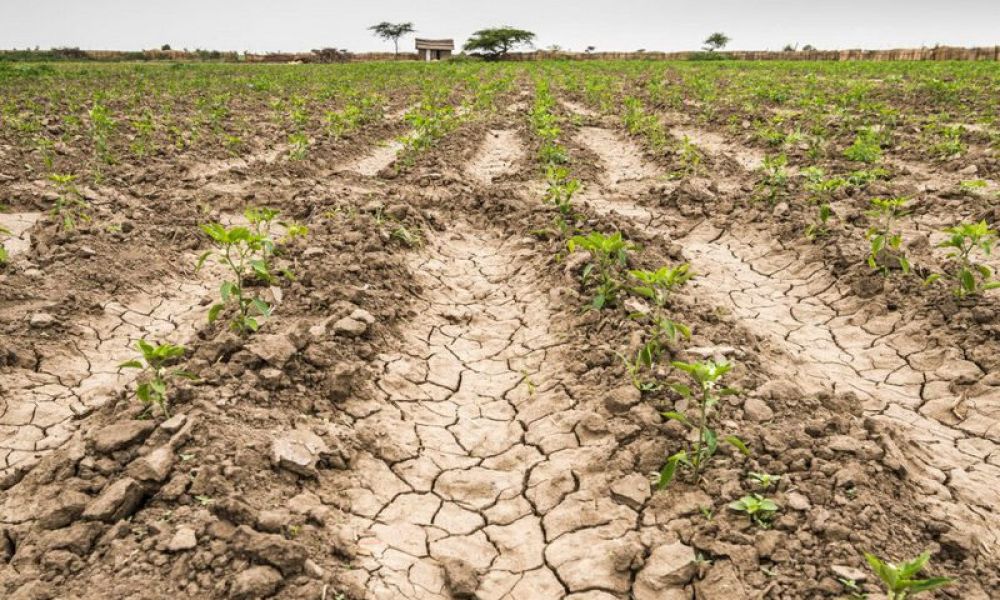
{"x":480,"y":467}
{"x":829,"y":340}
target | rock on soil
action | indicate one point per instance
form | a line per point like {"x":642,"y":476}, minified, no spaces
{"x":184,"y":539}
{"x":256,"y":582}
{"x":118,"y":501}
{"x":670,"y":566}
{"x":121,"y":435}
{"x":298,"y":451}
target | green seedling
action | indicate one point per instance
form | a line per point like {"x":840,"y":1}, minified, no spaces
{"x":4,"y":256}
{"x":406,"y":236}
{"x":706,"y":393}
{"x":774,"y":179}
{"x":298,"y":146}
{"x":971,"y":186}
{"x":760,"y":509}
{"x":656,"y":286}
{"x":819,"y":228}
{"x":561,"y":189}
{"x":245,"y":253}
{"x":70,"y":205}
{"x":764,"y":480}
{"x":609,"y":254}
{"x":899,"y":580}
{"x":971,"y":278}
{"x":866,"y":147}
{"x":641,"y":364}
{"x":690,"y":157}
{"x":155,"y":373}
{"x":884,"y":241}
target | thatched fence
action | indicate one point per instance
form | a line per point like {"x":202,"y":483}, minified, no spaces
{"x":330,"y":55}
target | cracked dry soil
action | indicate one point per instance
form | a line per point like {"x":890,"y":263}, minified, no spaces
{"x":492,"y":449}
{"x":829,"y":339}
{"x":484,"y":474}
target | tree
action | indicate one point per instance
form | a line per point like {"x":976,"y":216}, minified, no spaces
{"x":716,"y":41}
{"x":495,"y":43}
{"x":165,"y":47}
{"x":392,"y":31}
{"x":808,"y":48}
{"x":590,"y":49}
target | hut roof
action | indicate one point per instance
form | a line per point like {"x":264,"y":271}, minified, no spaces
{"x":423,"y":44}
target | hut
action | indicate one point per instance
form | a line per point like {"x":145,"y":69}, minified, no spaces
{"x":429,"y":50}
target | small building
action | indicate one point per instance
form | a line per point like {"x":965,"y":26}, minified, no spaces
{"x":429,"y":50}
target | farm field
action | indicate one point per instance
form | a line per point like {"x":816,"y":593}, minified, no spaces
{"x":554,"y":330}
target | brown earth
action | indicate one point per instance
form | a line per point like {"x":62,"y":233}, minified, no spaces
{"x":437,"y":418}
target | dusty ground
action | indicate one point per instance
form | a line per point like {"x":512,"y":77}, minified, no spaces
{"x":430,"y":414}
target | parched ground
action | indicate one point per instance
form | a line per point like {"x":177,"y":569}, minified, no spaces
{"x":429,"y":413}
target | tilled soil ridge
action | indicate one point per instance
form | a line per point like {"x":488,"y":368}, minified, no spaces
{"x":487,"y":478}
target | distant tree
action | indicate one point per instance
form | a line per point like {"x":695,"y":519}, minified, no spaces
{"x":165,"y":47}
{"x":808,"y":48}
{"x":554,"y":48}
{"x":789,"y":48}
{"x":716,"y":41}
{"x":590,"y":49}
{"x":496,"y":42}
{"x":392,"y":31}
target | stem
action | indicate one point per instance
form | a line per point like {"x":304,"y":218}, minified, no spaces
{"x":701,"y":432}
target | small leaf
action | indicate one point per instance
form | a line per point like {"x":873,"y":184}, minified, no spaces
{"x":738,"y":444}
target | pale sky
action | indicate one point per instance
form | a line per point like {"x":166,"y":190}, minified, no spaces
{"x":301,"y":25}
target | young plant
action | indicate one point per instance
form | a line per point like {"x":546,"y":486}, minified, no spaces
{"x":818,"y":228}
{"x":899,"y":580}
{"x":298,"y":146}
{"x":764,"y":480}
{"x":774,"y":179}
{"x":155,"y":372}
{"x":884,"y":241}
{"x":866,"y":147}
{"x":656,"y":286}
{"x":245,"y":253}
{"x":70,"y":206}
{"x":971,"y":278}
{"x":706,"y":377}
{"x":4,"y":256}
{"x":609,"y":254}
{"x":690,"y":157}
{"x":760,"y":509}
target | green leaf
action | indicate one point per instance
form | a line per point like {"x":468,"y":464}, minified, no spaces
{"x":262,"y":307}
{"x":681,"y":389}
{"x":227,"y":290}
{"x":967,"y":280}
{"x":711,"y":442}
{"x":923,"y":585}
{"x":202,"y":259}
{"x":213,"y":312}
{"x":131,"y":364}
{"x":676,"y":416}
{"x":738,"y":444}
{"x":669,"y":469}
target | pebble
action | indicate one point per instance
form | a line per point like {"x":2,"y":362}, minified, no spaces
{"x":797,"y":501}
{"x":184,"y":539}
{"x":41,"y":320}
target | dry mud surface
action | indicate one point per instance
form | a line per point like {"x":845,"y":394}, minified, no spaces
{"x":430,"y":415}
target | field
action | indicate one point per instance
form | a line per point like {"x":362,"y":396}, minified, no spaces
{"x":648,"y":330}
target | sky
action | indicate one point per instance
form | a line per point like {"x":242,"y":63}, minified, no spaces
{"x":609,"y":25}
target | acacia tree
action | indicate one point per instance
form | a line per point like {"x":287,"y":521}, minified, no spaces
{"x":392,"y":31}
{"x":716,"y":41}
{"x":496,"y":42}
